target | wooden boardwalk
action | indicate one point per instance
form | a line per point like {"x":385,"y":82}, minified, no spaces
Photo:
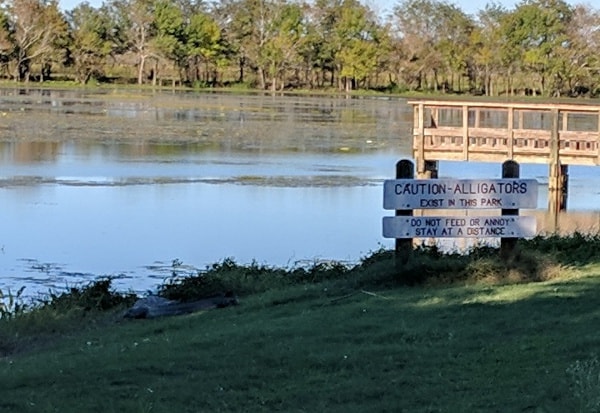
{"x":552,"y":133}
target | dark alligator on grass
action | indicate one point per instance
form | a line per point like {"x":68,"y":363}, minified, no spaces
{"x":155,"y":306}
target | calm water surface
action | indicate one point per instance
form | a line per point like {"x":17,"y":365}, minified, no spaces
{"x":103,"y":184}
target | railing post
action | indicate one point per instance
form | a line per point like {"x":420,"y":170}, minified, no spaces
{"x":510,"y":134}
{"x":465,"y":125}
{"x":435,"y":117}
{"x":598,"y":140}
{"x":431,"y":170}
{"x":420,"y":139}
{"x":557,"y":174}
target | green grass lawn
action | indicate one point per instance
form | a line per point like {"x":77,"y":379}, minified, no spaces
{"x":326,"y":346}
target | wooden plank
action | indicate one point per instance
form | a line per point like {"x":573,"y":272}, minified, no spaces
{"x":459,"y":227}
{"x":401,"y":194}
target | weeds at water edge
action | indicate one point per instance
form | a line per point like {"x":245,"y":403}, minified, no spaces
{"x":11,"y":305}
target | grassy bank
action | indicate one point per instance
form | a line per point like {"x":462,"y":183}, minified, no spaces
{"x":444,"y":332}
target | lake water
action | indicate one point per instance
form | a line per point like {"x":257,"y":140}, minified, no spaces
{"x":125,"y":185}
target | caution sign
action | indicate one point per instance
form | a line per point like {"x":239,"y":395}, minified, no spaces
{"x":460,"y":193}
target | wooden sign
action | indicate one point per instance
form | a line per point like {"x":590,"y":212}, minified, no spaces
{"x":505,"y":226}
{"x":505,"y":193}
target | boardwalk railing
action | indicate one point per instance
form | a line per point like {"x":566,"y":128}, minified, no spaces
{"x":494,"y":132}
{"x":552,"y":133}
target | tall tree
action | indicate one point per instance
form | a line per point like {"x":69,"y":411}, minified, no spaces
{"x":344,"y":40}
{"x":323,"y":19}
{"x":245,"y":22}
{"x":581,"y":72}
{"x":453,"y":44}
{"x":55,"y":52}
{"x":486,"y":41}
{"x":535,"y":35}
{"x":437,"y":37}
{"x":91,"y":40}
{"x":6,"y":41}
{"x":169,"y":41}
{"x":285,"y":35}
{"x":355,"y":34}
{"x":203,"y":44}
{"x":418,"y":24}
{"x":35,"y":28}
{"x":135,"y":20}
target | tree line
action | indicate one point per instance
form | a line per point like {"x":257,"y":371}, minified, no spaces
{"x":544,"y":47}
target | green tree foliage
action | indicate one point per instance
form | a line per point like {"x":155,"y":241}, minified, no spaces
{"x":453,"y":46}
{"x":535,"y":38}
{"x":188,"y":42}
{"x":540,"y":46}
{"x":323,"y":19}
{"x":204,"y":46}
{"x":169,"y":39}
{"x":417,"y":24}
{"x":355,"y":35}
{"x":36,"y":30}
{"x":285,"y":36}
{"x":582,"y":58}
{"x":6,"y":42}
{"x":54,"y":52}
{"x":91,"y":41}
{"x":437,"y":39}
{"x":246,"y":22}
{"x":343,"y":37}
{"x":485,"y":42}
{"x":135,"y":21}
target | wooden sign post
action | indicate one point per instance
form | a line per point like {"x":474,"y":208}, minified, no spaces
{"x":405,"y":169}
{"x":510,"y":169}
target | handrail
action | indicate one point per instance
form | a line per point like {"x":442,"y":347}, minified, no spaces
{"x":571,"y":107}
{"x":467,"y":139}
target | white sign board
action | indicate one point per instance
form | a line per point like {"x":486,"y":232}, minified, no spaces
{"x":506,"y":226}
{"x":460,"y":193}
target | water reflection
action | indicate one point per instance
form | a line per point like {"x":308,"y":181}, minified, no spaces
{"x":113,"y":229}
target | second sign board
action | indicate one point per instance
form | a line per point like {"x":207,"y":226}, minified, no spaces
{"x":506,"y":226}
